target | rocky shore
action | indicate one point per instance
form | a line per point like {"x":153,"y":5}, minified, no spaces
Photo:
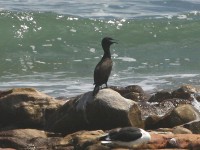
{"x":30,"y":119}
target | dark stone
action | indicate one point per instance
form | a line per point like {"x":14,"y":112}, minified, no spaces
{"x":193,"y":126}
{"x":133,"y":92}
{"x":151,"y":122}
{"x":128,"y":89}
{"x":184,"y":92}
{"x":160,"y":96}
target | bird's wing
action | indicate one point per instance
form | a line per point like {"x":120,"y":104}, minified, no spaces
{"x":102,"y":71}
{"x":126,"y":134}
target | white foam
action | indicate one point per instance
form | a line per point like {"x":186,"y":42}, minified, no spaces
{"x":47,"y":45}
{"x":72,"y":30}
{"x":128,"y":59}
{"x":182,"y":17}
{"x":92,"y":50}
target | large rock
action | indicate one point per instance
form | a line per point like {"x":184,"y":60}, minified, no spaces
{"x":185,"y":92}
{"x":193,"y":126}
{"x":26,"y":108}
{"x":160,"y":96}
{"x":133,"y":92}
{"x":178,"y":116}
{"x":107,"y":110}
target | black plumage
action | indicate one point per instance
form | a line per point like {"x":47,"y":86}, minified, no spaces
{"x":103,"y":68}
{"x":125,"y":134}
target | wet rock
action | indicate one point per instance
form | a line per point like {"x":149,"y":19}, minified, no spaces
{"x":193,"y":126}
{"x":133,"y":92}
{"x":178,"y":116}
{"x":128,"y":89}
{"x":198,"y":98}
{"x":26,"y":108}
{"x":133,"y":96}
{"x":90,"y":113}
{"x":176,"y":102}
{"x":184,"y":92}
{"x":160,"y":96}
{"x":151,"y":111}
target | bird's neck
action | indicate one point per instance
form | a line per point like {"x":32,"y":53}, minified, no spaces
{"x":106,"y":52}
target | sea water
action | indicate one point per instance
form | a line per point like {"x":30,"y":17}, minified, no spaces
{"x":54,"y":46}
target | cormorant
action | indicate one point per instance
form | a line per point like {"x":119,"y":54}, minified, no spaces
{"x":104,"y":67}
{"x":126,"y":137}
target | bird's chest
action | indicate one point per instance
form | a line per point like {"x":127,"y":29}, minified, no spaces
{"x":106,"y":64}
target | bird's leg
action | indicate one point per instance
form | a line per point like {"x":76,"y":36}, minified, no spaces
{"x":106,"y":85}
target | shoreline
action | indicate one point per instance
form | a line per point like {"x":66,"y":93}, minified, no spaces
{"x":29,"y":117}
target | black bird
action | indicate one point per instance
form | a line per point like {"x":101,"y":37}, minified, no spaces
{"x":104,"y":67}
{"x":130,"y":137}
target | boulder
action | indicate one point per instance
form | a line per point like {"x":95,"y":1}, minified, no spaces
{"x":193,"y":126}
{"x":133,"y":92}
{"x":107,"y":110}
{"x":175,"y":101}
{"x":160,"y":96}
{"x":128,"y":89}
{"x":178,"y":116}
{"x":26,"y":108}
{"x":184,"y":92}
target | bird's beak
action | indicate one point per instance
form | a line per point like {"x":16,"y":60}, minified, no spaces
{"x":114,"y":41}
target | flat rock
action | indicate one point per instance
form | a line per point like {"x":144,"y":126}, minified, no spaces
{"x":29,"y":139}
{"x":176,"y":141}
{"x":23,"y":133}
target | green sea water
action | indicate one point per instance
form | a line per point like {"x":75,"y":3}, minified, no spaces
{"x":57,"y":53}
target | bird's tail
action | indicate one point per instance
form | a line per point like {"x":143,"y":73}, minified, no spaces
{"x":96,"y":90}
{"x":103,"y":137}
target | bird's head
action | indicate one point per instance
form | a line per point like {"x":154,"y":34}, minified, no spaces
{"x":106,"y":42}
